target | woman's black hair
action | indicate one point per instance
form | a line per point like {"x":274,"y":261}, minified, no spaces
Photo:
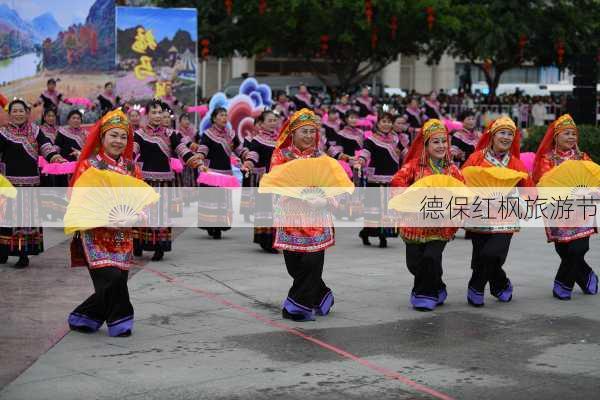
{"x":396,"y":117}
{"x":216,"y":112}
{"x":17,"y":101}
{"x":263,"y":115}
{"x":154,"y":103}
{"x":465,"y":114}
{"x":106,"y":84}
{"x":46,"y":112}
{"x":74,"y":112}
{"x":165,"y":107}
{"x":384,"y":115}
{"x":350,"y":113}
{"x":185,"y":115}
{"x":51,"y":80}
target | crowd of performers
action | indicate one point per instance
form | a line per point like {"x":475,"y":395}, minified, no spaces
{"x":398,"y":151}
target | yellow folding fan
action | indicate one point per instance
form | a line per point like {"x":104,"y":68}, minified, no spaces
{"x":571,"y":178}
{"x":307,"y":178}
{"x":6,"y":188}
{"x":104,"y":198}
{"x":442,"y":187}
{"x":492,"y":181}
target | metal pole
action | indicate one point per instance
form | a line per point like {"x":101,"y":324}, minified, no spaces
{"x":204,"y":78}
{"x":219,"y":73}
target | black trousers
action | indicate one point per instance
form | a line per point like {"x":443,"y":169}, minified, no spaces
{"x":489,"y":255}
{"x":424,"y":261}
{"x":306,"y":269}
{"x":573,"y":267}
{"x":110,"y":303}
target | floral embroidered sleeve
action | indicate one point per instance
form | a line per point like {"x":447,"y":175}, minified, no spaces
{"x":180,"y":148}
{"x":203,"y":147}
{"x":238,"y":148}
{"x":47,"y":149}
{"x":365,"y":153}
{"x":252,"y":154}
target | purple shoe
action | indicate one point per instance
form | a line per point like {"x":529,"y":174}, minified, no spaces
{"x":505,"y":295}
{"x":561,"y":292}
{"x":442,"y":296}
{"x":325,"y":307}
{"x":423,"y":303}
{"x":297,"y":312}
{"x":592,"y":284}
{"x":475,"y":298}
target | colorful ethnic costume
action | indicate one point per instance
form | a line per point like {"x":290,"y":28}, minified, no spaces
{"x":154,"y":146}
{"x":190,"y":175}
{"x":261,"y":149}
{"x":20,"y":147}
{"x":382,"y":157}
{"x":571,"y":243}
{"x":425,"y":245}
{"x":108,"y":102}
{"x":51,"y":202}
{"x":463,"y":144}
{"x":107,"y":252}
{"x":215,"y":209}
{"x":303,"y":246}
{"x":365,"y":105}
{"x":346,"y":146}
{"x":432,"y":109}
{"x":491,"y":242}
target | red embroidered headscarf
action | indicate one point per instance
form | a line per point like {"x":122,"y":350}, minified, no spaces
{"x":299,"y":119}
{"x":563,"y":123}
{"x":93,"y":142}
{"x":417,"y":149}
{"x":502,"y":123}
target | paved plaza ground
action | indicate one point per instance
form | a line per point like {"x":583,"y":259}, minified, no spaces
{"x":208,"y":326}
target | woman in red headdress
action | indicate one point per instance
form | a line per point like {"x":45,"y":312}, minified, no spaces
{"x":428,"y":155}
{"x":498,"y":147}
{"x":107,"y":252}
{"x":571,"y":243}
{"x":303,"y":246}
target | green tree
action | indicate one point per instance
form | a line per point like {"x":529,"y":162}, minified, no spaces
{"x":356,"y":49}
{"x":497,"y":35}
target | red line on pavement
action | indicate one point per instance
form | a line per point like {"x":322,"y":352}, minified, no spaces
{"x":382,"y":370}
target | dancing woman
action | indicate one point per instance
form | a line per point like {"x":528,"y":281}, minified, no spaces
{"x":428,"y":155}
{"x":107,"y":252}
{"x":498,"y":147}
{"x":304,"y":246}
{"x":571,"y":243}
